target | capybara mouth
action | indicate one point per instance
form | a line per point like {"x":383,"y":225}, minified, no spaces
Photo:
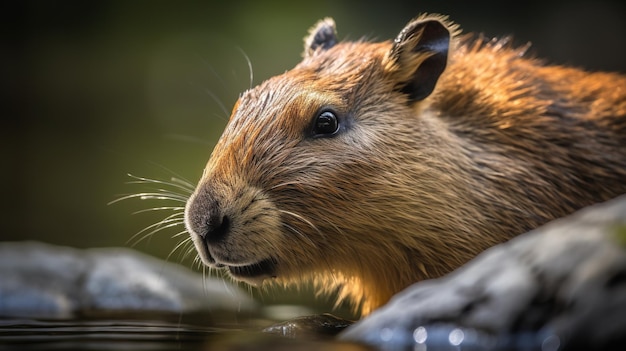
{"x":205,"y":255}
{"x":264,"y":268}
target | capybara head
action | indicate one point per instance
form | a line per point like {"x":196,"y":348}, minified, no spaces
{"x":348,"y":172}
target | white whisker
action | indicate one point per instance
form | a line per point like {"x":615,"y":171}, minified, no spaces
{"x":171,"y":218}
{"x":218,"y":102}
{"x":163,"y":208}
{"x":284,"y":184}
{"x":299,"y":233}
{"x":181,"y":233}
{"x":178,"y":246}
{"x":175,"y":192}
{"x":175,"y":182}
{"x":177,"y":178}
{"x":214,"y":72}
{"x":249,"y":62}
{"x":167,"y":222}
{"x":152,"y":196}
{"x":197,"y":262}
{"x":149,"y":234}
{"x":301,"y":218}
{"x":190,"y":250}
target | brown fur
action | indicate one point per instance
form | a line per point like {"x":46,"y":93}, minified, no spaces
{"x":410,"y":189}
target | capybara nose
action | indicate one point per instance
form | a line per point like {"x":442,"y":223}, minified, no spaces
{"x":204,"y":217}
{"x":216,"y":228}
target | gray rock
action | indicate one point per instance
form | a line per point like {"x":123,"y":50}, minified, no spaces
{"x":562,"y":286}
{"x":47,"y":281}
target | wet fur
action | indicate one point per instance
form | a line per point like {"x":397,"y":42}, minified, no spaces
{"x":408,"y":190}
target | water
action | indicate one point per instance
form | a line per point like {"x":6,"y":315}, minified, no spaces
{"x":102,"y":335}
{"x":153,"y":333}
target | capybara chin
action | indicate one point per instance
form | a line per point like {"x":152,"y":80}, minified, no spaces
{"x":370,"y":166}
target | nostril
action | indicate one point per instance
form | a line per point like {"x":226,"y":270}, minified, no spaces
{"x":205,"y":218}
{"x":217,"y":229}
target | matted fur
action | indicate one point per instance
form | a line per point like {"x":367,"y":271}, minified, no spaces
{"x":408,"y":190}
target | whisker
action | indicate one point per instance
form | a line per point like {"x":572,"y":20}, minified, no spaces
{"x":197,"y":262}
{"x":174,"y":217}
{"x":178,"y":246}
{"x":299,"y":233}
{"x":152,"y":196}
{"x":161,"y":226}
{"x":249,"y":62}
{"x":218,"y":102}
{"x":167,"y":222}
{"x":175,"y":192}
{"x":183,"y":182}
{"x":185,"y":247}
{"x":301,"y":218}
{"x":176,"y":178}
{"x":149,"y":234}
{"x":284,"y":184}
{"x":184,"y":232}
{"x":210,"y":67}
{"x":190,"y":250}
{"x":204,"y":278}
{"x":176,"y":182}
{"x":162,"y":208}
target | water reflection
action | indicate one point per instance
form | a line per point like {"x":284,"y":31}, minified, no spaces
{"x":447,"y":337}
{"x":26,"y":334}
{"x":420,"y":335}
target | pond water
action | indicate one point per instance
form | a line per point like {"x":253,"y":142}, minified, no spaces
{"x":151,"y":332}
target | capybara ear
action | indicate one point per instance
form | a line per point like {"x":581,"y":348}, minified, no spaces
{"x":322,"y":36}
{"x":419,"y":55}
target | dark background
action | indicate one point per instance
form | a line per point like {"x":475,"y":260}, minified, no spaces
{"x":94,"y":90}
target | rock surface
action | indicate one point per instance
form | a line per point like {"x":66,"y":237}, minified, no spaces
{"x":46,"y":281}
{"x":562,"y":286}
{"x":306,"y":326}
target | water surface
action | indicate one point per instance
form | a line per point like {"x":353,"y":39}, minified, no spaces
{"x":151,"y":332}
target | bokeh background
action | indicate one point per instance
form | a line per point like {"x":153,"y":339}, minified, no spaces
{"x":94,"y":90}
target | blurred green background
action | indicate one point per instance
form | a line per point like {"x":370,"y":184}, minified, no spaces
{"x":98,"y":89}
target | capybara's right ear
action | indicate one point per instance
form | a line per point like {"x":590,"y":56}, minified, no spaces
{"x":419,"y":55}
{"x":322,"y":36}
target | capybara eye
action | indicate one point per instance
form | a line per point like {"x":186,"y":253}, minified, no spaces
{"x":326,"y":124}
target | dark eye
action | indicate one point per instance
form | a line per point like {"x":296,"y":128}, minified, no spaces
{"x":326,"y":124}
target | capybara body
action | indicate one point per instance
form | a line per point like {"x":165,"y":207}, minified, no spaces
{"x":370,"y":166}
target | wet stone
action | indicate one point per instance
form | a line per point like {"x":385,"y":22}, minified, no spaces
{"x":314,"y":325}
{"x":40,"y":280}
{"x":559,"y":287}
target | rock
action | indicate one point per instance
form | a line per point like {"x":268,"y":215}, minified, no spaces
{"x":45,"y":281}
{"x":562,"y":286}
{"x":306,"y":326}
